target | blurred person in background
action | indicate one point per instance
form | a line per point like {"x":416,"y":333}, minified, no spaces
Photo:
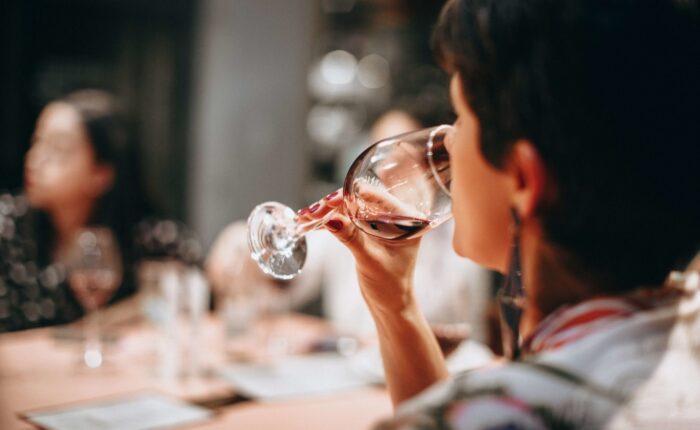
{"x":574,"y":170}
{"x":81,"y":170}
{"x":451,"y":289}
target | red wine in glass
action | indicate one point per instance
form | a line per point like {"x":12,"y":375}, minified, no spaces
{"x":392,"y":227}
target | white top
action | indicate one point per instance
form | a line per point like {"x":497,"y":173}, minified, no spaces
{"x":617,"y":362}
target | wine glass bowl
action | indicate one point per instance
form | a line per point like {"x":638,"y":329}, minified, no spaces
{"x":93,"y":287}
{"x":95,"y":269}
{"x":397,"y":189}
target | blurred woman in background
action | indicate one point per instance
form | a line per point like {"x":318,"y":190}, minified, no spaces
{"x":80,"y":170}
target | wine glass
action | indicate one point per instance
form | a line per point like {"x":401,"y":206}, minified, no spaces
{"x":397,"y":189}
{"x":95,"y":269}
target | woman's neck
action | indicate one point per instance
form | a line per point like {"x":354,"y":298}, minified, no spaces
{"x":548,"y":283}
{"x":67,"y":219}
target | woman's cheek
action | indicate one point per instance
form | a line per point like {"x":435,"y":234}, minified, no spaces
{"x":70,"y":183}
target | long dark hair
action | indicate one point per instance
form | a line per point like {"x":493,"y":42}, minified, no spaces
{"x":110,"y":133}
{"x":120,"y":208}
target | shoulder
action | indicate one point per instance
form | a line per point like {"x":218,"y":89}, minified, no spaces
{"x":514,"y":396}
{"x":485,"y":399}
{"x":581,"y":385}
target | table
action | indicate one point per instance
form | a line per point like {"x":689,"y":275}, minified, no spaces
{"x":37,"y":370}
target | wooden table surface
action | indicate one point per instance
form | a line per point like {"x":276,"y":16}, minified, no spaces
{"x":40,"y":369}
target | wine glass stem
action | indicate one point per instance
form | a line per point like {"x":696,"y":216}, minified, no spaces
{"x":93,"y":344}
{"x":306,"y":227}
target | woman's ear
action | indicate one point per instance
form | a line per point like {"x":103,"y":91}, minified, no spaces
{"x":530,"y":178}
{"x":102,"y":181}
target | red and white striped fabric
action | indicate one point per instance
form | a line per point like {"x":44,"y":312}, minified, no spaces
{"x":570,"y":323}
{"x":615,"y":362}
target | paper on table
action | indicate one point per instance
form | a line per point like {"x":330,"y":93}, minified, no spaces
{"x":292,"y":377}
{"x":142,"y":412}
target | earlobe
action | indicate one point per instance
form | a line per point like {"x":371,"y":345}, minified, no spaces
{"x":530,"y":178}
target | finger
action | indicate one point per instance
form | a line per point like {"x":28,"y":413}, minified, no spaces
{"x":313,"y":212}
{"x":321,"y":208}
{"x":334,"y":199}
{"x":347,"y":233}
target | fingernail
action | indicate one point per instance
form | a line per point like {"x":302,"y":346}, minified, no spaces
{"x":331,"y":195}
{"x":334,"y":225}
{"x":302,"y":211}
{"x":314,"y":207}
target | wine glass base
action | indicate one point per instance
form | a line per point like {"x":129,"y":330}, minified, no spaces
{"x":92,"y":358}
{"x":273,"y":241}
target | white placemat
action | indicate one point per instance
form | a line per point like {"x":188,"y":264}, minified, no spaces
{"x":138,"y":412}
{"x":294,"y":377}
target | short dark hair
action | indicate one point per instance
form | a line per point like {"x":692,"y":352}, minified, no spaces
{"x":607,"y":91}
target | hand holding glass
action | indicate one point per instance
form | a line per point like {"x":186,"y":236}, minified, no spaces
{"x":397,"y":189}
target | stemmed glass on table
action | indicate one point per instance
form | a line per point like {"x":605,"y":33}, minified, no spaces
{"x":95,"y":270}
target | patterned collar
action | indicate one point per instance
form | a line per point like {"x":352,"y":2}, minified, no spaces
{"x":572,"y":322}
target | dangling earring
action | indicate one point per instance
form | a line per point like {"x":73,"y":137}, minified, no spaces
{"x":511,"y":295}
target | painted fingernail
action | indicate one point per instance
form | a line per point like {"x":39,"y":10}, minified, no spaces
{"x":334,"y":225}
{"x":302,"y":211}
{"x":314,"y":207}
{"x":331,"y":195}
